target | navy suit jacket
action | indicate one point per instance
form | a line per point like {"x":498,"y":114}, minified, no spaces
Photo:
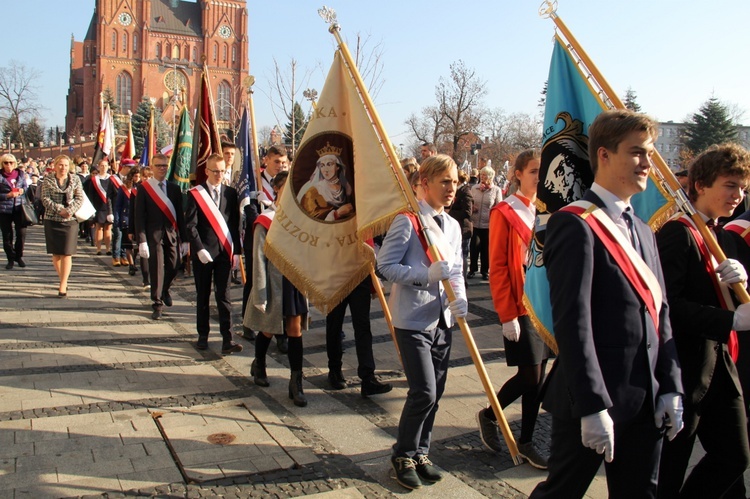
{"x":610,"y":355}
{"x":151,"y":225}
{"x":200,"y":233}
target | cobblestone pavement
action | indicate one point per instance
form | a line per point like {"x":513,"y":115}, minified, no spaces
{"x":84,"y":381}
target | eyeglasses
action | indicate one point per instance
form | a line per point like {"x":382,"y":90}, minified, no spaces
{"x":9,"y":162}
{"x":161,"y":166}
{"x":221,"y":172}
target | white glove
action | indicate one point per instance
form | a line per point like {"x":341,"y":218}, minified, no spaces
{"x":110,"y":218}
{"x":184,"y":248}
{"x":261,"y":307}
{"x":204,"y":256}
{"x":459,"y":307}
{"x":741,"y":321}
{"x":512,"y":330}
{"x":254,"y":194}
{"x":669,"y":413}
{"x":438,"y":271}
{"x":143,"y":250}
{"x":598,"y":433}
{"x":731,"y":271}
{"x":235,"y":261}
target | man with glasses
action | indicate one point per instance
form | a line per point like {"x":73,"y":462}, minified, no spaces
{"x":213,"y":227}
{"x":160,"y":231}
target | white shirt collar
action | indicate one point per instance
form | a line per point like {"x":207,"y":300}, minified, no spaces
{"x":613,"y":206}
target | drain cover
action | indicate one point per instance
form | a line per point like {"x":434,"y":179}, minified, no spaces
{"x":221,"y":438}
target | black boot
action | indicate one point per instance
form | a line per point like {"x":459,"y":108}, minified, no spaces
{"x":295,"y":389}
{"x":258,"y":372}
{"x":371,"y":386}
{"x":336,"y":379}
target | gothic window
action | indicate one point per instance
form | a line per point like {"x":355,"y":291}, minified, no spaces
{"x":195,"y":54}
{"x":135,"y":44}
{"x":124,"y":92}
{"x":216,"y":51}
{"x":88,"y":54}
{"x":168,"y":50}
{"x":223,"y":103}
{"x":176,"y":52}
{"x":114,"y":41}
{"x":124,"y":42}
{"x":224,"y":54}
{"x":234,"y":53}
{"x":158,"y":50}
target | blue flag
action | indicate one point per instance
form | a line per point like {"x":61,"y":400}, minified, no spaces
{"x":246,"y":180}
{"x":565,"y":173}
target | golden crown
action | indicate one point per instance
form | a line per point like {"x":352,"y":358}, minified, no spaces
{"x":329,"y":149}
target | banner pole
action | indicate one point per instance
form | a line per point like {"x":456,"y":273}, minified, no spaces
{"x":329,"y":16}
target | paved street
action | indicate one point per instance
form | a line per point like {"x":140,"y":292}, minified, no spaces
{"x":98,"y":399}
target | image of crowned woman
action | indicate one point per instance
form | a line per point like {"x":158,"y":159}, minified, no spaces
{"x":328,"y":194}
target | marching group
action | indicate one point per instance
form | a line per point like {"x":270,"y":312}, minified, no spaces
{"x":648,"y":329}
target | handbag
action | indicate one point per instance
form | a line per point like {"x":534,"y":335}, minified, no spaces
{"x":86,"y":211}
{"x":29,"y":212}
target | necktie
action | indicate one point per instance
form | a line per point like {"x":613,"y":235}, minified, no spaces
{"x":631,"y":230}
{"x":439,"y":221}
{"x":216,"y":195}
{"x":161,"y":186}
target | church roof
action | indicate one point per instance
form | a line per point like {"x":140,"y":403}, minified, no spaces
{"x":176,"y":17}
{"x":91,"y":32}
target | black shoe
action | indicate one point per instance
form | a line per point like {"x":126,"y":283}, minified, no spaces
{"x":9,"y":265}
{"x":131,"y":270}
{"x":485,"y":277}
{"x":109,"y":253}
{"x":248,"y":333}
{"x":282,"y":343}
{"x":471,"y":275}
{"x":528,"y":452}
{"x":258,"y":372}
{"x":202,"y":344}
{"x":21,"y":263}
{"x":406,"y":472}
{"x":371,"y":386}
{"x":231,"y":348}
{"x":167,"y":299}
{"x":336,"y":380}
{"x":156,"y":315}
{"x":60,"y":294}
{"x":426,"y":470}
{"x":489,"y":432}
{"x":295,"y":389}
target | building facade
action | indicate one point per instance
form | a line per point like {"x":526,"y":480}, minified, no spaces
{"x":156,"y":49}
{"x":669,"y":143}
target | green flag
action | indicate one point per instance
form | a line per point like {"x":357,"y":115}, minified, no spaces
{"x":179,"y":164}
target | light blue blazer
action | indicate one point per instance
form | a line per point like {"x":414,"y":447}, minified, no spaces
{"x":414,"y":303}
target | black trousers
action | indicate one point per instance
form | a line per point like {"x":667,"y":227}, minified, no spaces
{"x":13,"y":249}
{"x":162,"y":269}
{"x":632,"y":473}
{"x":425,"y":355}
{"x":719,"y":420}
{"x":480,"y":244}
{"x":219,"y":271}
{"x":358,"y":302}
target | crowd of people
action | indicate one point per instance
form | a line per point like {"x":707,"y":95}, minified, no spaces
{"x":648,"y":327}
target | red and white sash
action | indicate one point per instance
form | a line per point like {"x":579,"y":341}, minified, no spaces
{"x":519,"y":216}
{"x":722,"y":289}
{"x":265,"y":219}
{"x":151,"y":186}
{"x":636,"y":271}
{"x":99,"y":189}
{"x":740,"y":227}
{"x":115,"y":180}
{"x":214,"y":216}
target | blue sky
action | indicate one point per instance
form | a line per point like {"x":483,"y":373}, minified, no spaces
{"x":674,"y":54}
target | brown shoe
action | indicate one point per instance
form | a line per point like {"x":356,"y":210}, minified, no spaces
{"x":124,"y":262}
{"x":115,"y":262}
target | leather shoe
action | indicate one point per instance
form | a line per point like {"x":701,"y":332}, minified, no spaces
{"x":9,"y":265}
{"x":248,"y":334}
{"x":167,"y":299}
{"x":21,"y":263}
{"x":202,"y":344}
{"x":371,"y":386}
{"x":282,"y":343}
{"x":156,"y":315}
{"x":471,"y":275}
{"x":336,"y":380}
{"x":231,"y":348}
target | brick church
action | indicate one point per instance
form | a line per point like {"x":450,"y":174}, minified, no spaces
{"x":156,"y":48}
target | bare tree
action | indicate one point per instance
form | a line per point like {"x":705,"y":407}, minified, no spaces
{"x":427,"y":127}
{"x":18,"y":99}
{"x":285,"y":87}
{"x":264,"y":135}
{"x":368,"y":56}
{"x":460,"y":102}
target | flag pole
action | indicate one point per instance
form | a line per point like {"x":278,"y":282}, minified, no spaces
{"x":216,"y":137}
{"x":253,"y":132}
{"x":668,"y":181}
{"x":329,"y":16}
